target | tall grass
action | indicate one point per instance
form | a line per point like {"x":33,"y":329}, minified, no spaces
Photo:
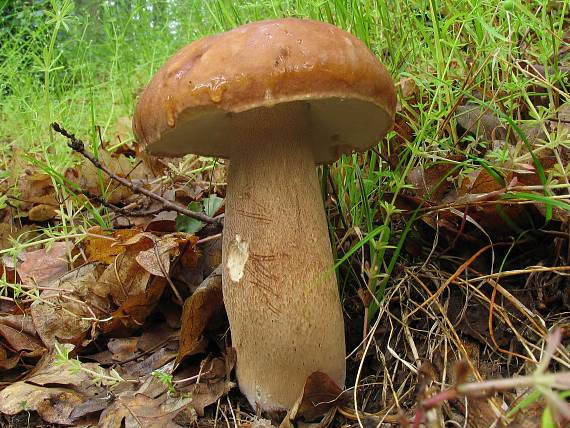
{"x":83,"y":64}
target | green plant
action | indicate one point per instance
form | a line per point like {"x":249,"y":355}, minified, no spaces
{"x":99,"y":376}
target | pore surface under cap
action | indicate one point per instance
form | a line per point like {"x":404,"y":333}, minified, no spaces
{"x":193,"y":101}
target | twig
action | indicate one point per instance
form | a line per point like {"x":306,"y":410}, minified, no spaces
{"x":79,"y":147}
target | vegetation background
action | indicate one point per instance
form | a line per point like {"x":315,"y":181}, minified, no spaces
{"x":470,"y":191}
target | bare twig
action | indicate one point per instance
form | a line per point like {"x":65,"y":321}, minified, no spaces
{"x":79,"y":147}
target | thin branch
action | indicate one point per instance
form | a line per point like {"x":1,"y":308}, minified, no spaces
{"x":79,"y":147}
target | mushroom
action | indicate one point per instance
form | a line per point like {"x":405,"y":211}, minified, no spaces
{"x":276,"y":98}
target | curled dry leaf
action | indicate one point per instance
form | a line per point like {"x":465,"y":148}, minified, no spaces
{"x":200,"y":309}
{"x":134,"y":290}
{"x":7,"y":362}
{"x":136,"y":307}
{"x":123,"y":279}
{"x":156,"y":260}
{"x":320,"y":396}
{"x":164,"y":221}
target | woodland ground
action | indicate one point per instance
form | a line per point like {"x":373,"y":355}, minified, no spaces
{"x":451,"y":236}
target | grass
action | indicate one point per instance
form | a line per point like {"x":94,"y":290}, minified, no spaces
{"x":83,"y":65}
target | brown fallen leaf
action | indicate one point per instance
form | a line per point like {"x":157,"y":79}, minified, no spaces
{"x":480,"y":121}
{"x":123,"y":348}
{"x":200,"y":309}
{"x":91,"y":179}
{"x":158,"y":334}
{"x":138,"y":410}
{"x":19,"y":341}
{"x":134,"y":290}
{"x":164,"y":221}
{"x":156,"y":260}
{"x":41,"y":266}
{"x":494,"y":219}
{"x":136,"y":307}
{"x":157,"y":359}
{"x":21,"y":322}
{"x":205,"y":394}
{"x":42,"y":212}
{"x":320,"y":396}
{"x":105,"y":247}
{"x":123,"y":279}
{"x":7,"y":362}
{"x":53,"y":389}
{"x":194,"y":264}
{"x":54,"y":405}
{"x":8,"y":233}
{"x":68,"y":311}
{"x":154,"y":253}
{"x":31,"y":187}
{"x":433,"y":183}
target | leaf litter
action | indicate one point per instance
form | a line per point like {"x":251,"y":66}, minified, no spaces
{"x":99,"y":334}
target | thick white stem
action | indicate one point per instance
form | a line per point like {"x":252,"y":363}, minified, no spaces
{"x":280,"y":289}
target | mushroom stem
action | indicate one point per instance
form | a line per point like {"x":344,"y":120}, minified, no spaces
{"x":280,"y":289}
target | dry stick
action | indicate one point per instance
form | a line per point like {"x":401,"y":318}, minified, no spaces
{"x":79,"y":147}
{"x":451,"y":279}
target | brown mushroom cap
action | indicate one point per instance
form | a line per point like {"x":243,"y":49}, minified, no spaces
{"x":191,"y":103}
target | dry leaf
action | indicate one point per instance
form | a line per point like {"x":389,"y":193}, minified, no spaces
{"x":123,"y":279}
{"x":480,"y":121}
{"x":42,"y":212}
{"x":432,"y":183}
{"x":213,"y":381}
{"x":41,"y":266}
{"x":92,"y":179}
{"x":68,"y":315}
{"x":138,"y":410}
{"x":136,"y":307}
{"x":54,"y":405}
{"x":123,"y":348}
{"x":106,"y":247}
{"x":199,"y":311}
{"x":156,"y":360}
{"x":23,"y":323}
{"x":320,"y":395}
{"x":156,"y":260}
{"x":53,"y":390}
{"x":7,"y":362}
{"x":20,"y":341}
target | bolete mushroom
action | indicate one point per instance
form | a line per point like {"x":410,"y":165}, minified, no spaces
{"x":275,"y":98}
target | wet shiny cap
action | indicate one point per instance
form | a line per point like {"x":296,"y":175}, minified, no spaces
{"x":194,"y":101}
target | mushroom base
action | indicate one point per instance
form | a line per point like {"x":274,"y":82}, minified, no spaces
{"x":279,"y":286}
